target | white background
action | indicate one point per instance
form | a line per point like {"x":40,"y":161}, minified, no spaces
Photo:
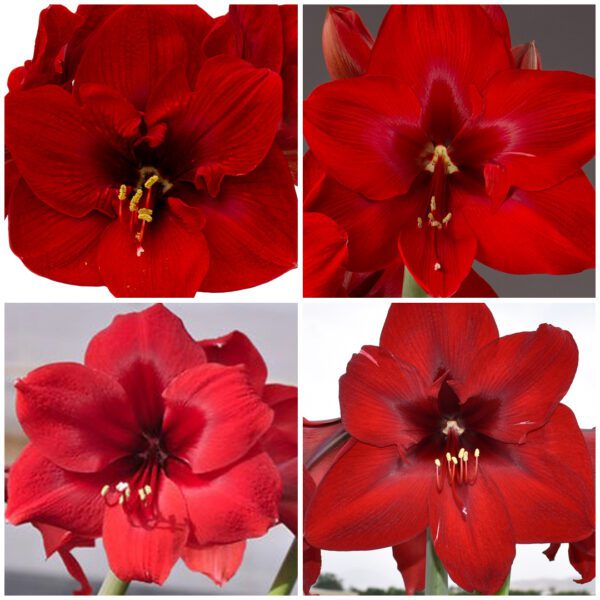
{"x":333,"y":331}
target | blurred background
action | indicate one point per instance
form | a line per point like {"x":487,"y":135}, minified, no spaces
{"x":38,"y":334}
{"x":565,"y":37}
{"x":333,"y":331}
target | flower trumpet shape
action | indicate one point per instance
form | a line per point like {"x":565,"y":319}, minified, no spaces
{"x":459,"y":431}
{"x":149,"y":446}
{"x":448,"y":150}
{"x":154,"y":170}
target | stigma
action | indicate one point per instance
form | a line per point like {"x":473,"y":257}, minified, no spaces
{"x":455,"y":469}
{"x":441,"y":153}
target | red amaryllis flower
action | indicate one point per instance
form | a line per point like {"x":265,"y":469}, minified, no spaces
{"x":158,"y":175}
{"x":266,"y":36}
{"x":582,"y":554}
{"x":150,"y":447}
{"x":461,"y":432}
{"x":448,"y":157}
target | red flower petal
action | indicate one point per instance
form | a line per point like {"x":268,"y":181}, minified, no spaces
{"x":325,"y":254}
{"x":311,"y":557}
{"x":52,"y":244}
{"x":516,"y":382}
{"x":410,"y":559}
{"x":474,"y":286}
{"x":132,"y":50}
{"x":347,"y":43}
{"x":541,"y":124}
{"x":499,"y":21}
{"x":235,"y":348}
{"x":213,"y":416}
{"x":582,"y":555}
{"x":251,"y":227}
{"x":225,"y":127}
{"x":537,"y":232}
{"x":536,"y":474}
{"x":174,"y":258}
{"x":439,"y":260}
{"x":322,"y":440}
{"x":147,"y":553}
{"x":85,"y":410}
{"x":393,"y":395}
{"x":440,"y":47}
{"x":219,"y":562}
{"x":232,"y":504}
{"x":40,"y":491}
{"x":475,"y":543}
{"x":71,"y":167}
{"x":365,"y":133}
{"x":144,"y":351}
{"x":341,"y":515}
{"x":438,"y":337}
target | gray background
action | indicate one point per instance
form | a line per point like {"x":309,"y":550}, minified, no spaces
{"x":565,"y":37}
{"x":38,"y":334}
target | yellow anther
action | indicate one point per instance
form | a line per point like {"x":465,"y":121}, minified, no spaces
{"x":448,"y":456}
{"x":461,"y":452}
{"x":454,"y":460}
{"x":430,"y":216}
{"x":104,"y":490}
{"x":476,"y":453}
{"x":127,"y":493}
{"x":142,"y":494}
{"x":447,"y":218}
{"x":148,"y":490}
{"x":432,"y":204}
{"x":437,"y":462}
{"x":419,"y":223}
{"x":135,"y":200}
{"x":151,"y":181}
{"x":145,"y":214}
{"x":437,"y":267}
{"x":437,"y":224}
{"x":121,"y":499}
{"x":466,"y":456}
{"x":123,"y":192}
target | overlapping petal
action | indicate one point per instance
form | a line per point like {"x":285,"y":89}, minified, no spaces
{"x":219,"y":562}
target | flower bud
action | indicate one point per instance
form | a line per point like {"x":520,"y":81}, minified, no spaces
{"x":347,"y":43}
{"x":527,"y":56}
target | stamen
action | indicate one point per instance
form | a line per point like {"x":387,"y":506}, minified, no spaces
{"x":142,"y":494}
{"x":432,"y":204}
{"x":121,"y":499}
{"x":135,"y":200}
{"x":438,"y":480}
{"x":466,"y":461}
{"x":447,"y":218}
{"x":419,"y":223}
{"x":151,"y":181}
{"x":147,"y":489}
{"x":145,"y":214}
{"x":123,"y":192}
{"x":104,"y":490}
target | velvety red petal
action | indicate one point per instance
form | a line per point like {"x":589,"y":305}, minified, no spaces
{"x":71,"y":167}
{"x":542,"y":124}
{"x":40,"y":491}
{"x":313,"y":175}
{"x":582,"y":555}
{"x":232,"y":504}
{"x":281,"y":440}
{"x":537,"y":232}
{"x":347,"y":43}
{"x":287,"y":136}
{"x":219,"y":562}
{"x":498,"y":18}
{"x":393,"y":395}
{"x":53,"y":244}
{"x":213,"y":416}
{"x":225,"y":127}
{"x":132,"y":50}
{"x":369,"y":499}
{"x":322,"y":440}
{"x":79,"y":418}
{"x":410,"y":559}
{"x":385,"y":283}
{"x":365,"y":133}
{"x":439,"y":260}
{"x":475,"y":286}
{"x":144,"y":351}
{"x":251,"y":227}
{"x":171,"y":261}
{"x":372,"y":226}
{"x":325,"y":254}
{"x":475,"y":542}
{"x":438,"y":337}
{"x":535,"y":474}
{"x":436,"y":50}
{"x":235,"y":348}
{"x":147,"y":552}
{"x":311,"y":567}
{"x":516,"y":382}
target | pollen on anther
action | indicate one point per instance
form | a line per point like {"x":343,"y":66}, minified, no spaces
{"x":123,"y":192}
{"x":133,"y":205}
{"x":419,"y":223}
{"x":465,"y":456}
{"x":142,"y":494}
{"x":476,"y":453}
{"x":104,"y":490}
{"x":461,"y":453}
{"x":437,"y":462}
{"x":121,"y":499}
{"x":447,"y":218}
{"x":454,"y":460}
{"x":151,"y":181}
{"x":148,"y":490}
{"x":448,"y":456}
{"x":145,"y":214}
{"x":432,"y":203}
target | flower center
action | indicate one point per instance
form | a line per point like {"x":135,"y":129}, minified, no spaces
{"x":142,"y":202}
{"x":439,"y":215}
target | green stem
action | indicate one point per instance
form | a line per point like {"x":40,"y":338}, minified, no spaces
{"x":284,"y":581}
{"x":410,"y":288}
{"x":436,"y":578}
{"x":113,"y":586}
{"x":505,"y":589}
